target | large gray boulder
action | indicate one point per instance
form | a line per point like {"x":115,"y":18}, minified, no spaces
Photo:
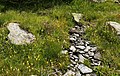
{"x":115,"y":25}
{"x":18,"y":36}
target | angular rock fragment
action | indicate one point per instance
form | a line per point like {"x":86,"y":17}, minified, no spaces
{"x":81,"y":58}
{"x":18,"y":36}
{"x":115,"y":25}
{"x":69,"y":73}
{"x":84,"y":69}
{"x":77,"y":16}
{"x":72,"y":48}
{"x":97,"y":55}
{"x":80,"y":47}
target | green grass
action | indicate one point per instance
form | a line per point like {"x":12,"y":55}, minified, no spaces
{"x":51,"y":26}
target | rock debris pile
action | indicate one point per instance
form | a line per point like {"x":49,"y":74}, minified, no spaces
{"x":81,"y":50}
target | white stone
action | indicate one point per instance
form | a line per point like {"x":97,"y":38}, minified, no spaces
{"x":97,"y":55}
{"x":64,"y":51}
{"x":75,"y":56}
{"x":69,"y":73}
{"x":73,"y":62}
{"x":72,"y":39}
{"x":93,"y":49}
{"x":91,"y":53}
{"x":78,"y":73}
{"x":81,"y":58}
{"x":77,"y":16}
{"x":115,"y":25}
{"x":18,"y":36}
{"x":99,"y":0}
{"x":73,"y":48}
{"x":84,"y":69}
{"x":80,"y":47}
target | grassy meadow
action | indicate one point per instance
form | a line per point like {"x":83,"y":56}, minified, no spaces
{"x":51,"y":25}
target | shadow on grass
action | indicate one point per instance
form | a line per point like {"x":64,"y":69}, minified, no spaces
{"x":30,"y":5}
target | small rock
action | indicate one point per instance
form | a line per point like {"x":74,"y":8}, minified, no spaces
{"x":99,"y":0}
{"x":93,"y":49}
{"x":80,"y":47}
{"x":97,"y":55}
{"x":69,"y":73}
{"x":93,"y":74}
{"x":73,"y":62}
{"x":87,"y":75}
{"x":78,"y":74}
{"x":72,"y":48}
{"x":72,"y":39}
{"x":81,"y":52}
{"x":95,"y":62}
{"x":33,"y":75}
{"x":91,"y":53}
{"x":77,"y":16}
{"x":84,"y":69}
{"x":77,"y":35}
{"x":81,"y":58}
{"x":86,"y":55}
{"x":73,"y":30}
{"x":75,"y":56}
{"x":115,"y":25}
{"x":64,"y":51}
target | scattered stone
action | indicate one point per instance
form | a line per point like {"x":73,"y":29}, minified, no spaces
{"x":99,"y":0}
{"x":97,"y":55}
{"x":18,"y":36}
{"x":72,"y":48}
{"x":72,"y":39}
{"x":80,"y":47}
{"x":69,"y":73}
{"x":84,"y":69}
{"x":73,"y":62}
{"x":87,"y":49}
{"x":75,"y":56}
{"x":93,"y":74}
{"x":73,"y":30}
{"x":78,"y":73}
{"x":81,"y":52}
{"x":93,"y":49}
{"x":115,"y":25}
{"x":64,"y":51}
{"x":77,"y":16}
{"x":81,"y":58}
{"x":91,"y":53}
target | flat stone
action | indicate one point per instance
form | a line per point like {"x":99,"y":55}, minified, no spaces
{"x":77,"y":16}
{"x":73,"y":62}
{"x":93,"y":49}
{"x":81,"y":58}
{"x":95,"y":62}
{"x":18,"y":36}
{"x":64,"y":51}
{"x":81,"y":52}
{"x":72,"y":39}
{"x":72,"y":48}
{"x":69,"y":73}
{"x":73,"y":30}
{"x":84,"y":69}
{"x":75,"y":56}
{"x":80,"y":47}
{"x":91,"y":53}
{"x":99,"y":0}
{"x":97,"y":55}
{"x":78,"y":74}
{"x":115,"y":25}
